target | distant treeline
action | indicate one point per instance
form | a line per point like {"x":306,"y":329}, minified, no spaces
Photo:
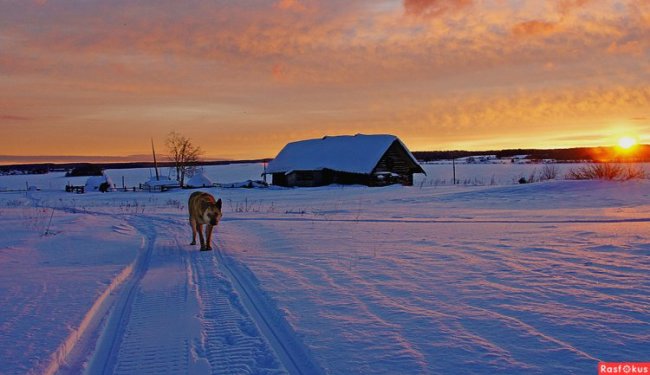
{"x":639,"y":153}
{"x":66,"y":167}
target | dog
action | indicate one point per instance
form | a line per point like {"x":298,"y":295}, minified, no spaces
{"x":203,"y":210}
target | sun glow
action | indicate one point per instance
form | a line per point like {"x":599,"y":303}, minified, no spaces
{"x":626,"y":142}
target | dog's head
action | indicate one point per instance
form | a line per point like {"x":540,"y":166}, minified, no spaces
{"x":211,"y":212}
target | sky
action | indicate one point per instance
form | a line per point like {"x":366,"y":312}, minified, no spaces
{"x":93,"y":78}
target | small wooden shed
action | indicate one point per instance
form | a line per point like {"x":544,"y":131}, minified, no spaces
{"x":372,"y":160}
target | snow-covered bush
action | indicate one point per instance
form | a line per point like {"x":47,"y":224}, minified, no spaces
{"x":606,"y":171}
{"x":549,"y":172}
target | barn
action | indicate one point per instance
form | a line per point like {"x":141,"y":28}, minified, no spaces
{"x":372,"y":160}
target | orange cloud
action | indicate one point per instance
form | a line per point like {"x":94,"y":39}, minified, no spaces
{"x":434,"y":7}
{"x":633,"y":47}
{"x":293,"y":5}
{"x":534,"y":27}
{"x":335,"y":45}
{"x":278,"y":71}
{"x":567,"y":6}
{"x":263,"y":68}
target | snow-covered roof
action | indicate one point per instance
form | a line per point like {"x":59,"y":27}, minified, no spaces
{"x":93,"y":182}
{"x":346,"y":153}
{"x":199,"y":180}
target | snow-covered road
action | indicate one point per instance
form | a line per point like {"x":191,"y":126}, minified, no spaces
{"x":543,"y":278}
{"x":191,"y":312}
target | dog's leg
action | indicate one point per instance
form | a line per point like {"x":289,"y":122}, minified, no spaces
{"x":208,"y":235}
{"x":199,"y":228}
{"x":193,"y":225}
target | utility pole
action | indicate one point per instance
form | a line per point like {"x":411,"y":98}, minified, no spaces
{"x":155,"y":163}
{"x":453,"y":164}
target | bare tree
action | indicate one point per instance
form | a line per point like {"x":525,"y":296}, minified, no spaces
{"x":182,"y":153}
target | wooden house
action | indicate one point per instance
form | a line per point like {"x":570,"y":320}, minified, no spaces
{"x":372,"y":160}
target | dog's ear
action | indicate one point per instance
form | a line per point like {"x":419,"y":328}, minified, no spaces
{"x":219,"y":203}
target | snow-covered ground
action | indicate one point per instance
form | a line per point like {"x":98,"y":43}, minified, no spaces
{"x":538,"y":278}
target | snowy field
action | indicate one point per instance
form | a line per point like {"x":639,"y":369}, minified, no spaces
{"x":544,"y":278}
{"x":437,"y":175}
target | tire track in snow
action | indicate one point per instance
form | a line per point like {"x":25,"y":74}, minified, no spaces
{"x":111,"y":306}
{"x":180,"y":314}
{"x":158,"y":329}
{"x":232,"y":343}
{"x":105,"y":354}
{"x":293,"y":354}
{"x":162,"y":326}
{"x":240,"y":301}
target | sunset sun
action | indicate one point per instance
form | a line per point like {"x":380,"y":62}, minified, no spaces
{"x":626,"y":142}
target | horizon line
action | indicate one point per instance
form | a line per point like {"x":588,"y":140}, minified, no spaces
{"x":145,"y":158}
